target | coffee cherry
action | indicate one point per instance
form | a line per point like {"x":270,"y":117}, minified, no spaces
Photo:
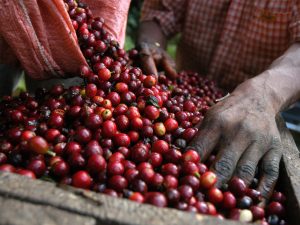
{"x":39,"y":145}
{"x":254,"y":194}
{"x":208,"y":180}
{"x":149,"y":81}
{"x":191,"y":156}
{"x":26,"y":173}
{"x":215,"y":196}
{"x":278,"y":197}
{"x":81,"y":179}
{"x":188,"y":134}
{"x":122,"y":139}
{"x":170,"y":169}
{"x":3,"y":158}
{"x":160,"y":146}
{"x":246,"y":215}
{"x":60,"y":169}
{"x":275,"y":208}
{"x":93,"y":121}
{"x":146,"y":174}
{"x":170,"y":182}
{"x":37,"y":166}
{"x":56,"y":121}
{"x":237,"y":186}
{"x":109,"y":128}
{"x":189,"y":106}
{"x":91,"y":90}
{"x":139,"y":153}
{"x":137,"y":197}
{"x":122,"y":122}
{"x":244,"y":202}
{"x":118,"y":183}
{"x":156,"y":198}
{"x":273,"y":220}
{"x":115,"y":168}
{"x":191,"y":181}
{"x":172,"y":195}
{"x":229,"y":201}
{"x":257,"y":212}
{"x":151,"y":112}
{"x":186,"y":192}
{"x":159,"y":129}
{"x":7,"y":168}
{"x":96,"y":163}
{"x":171,"y":125}
{"x":139,"y":185}
{"x":83,"y":135}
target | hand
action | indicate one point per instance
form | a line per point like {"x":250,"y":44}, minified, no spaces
{"x":243,"y":130}
{"x":153,"y":56}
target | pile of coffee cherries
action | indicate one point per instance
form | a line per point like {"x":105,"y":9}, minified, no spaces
{"x":124,"y":134}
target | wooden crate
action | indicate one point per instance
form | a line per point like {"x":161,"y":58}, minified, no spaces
{"x":26,"y":201}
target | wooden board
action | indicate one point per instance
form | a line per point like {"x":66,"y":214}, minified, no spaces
{"x":26,"y":201}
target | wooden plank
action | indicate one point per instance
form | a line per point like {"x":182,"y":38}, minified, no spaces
{"x":290,"y":174}
{"x":105,"y":209}
{"x":23,"y":213}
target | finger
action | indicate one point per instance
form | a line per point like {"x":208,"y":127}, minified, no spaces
{"x":168,"y":65}
{"x":206,"y":139}
{"x":231,"y":149}
{"x":247,"y":164}
{"x":147,"y":61}
{"x":270,"y":171}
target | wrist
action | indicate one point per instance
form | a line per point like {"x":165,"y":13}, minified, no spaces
{"x":151,"y":34}
{"x":261,"y":93}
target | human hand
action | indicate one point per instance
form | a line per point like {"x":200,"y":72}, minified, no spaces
{"x":152,"y":56}
{"x":242,"y":128}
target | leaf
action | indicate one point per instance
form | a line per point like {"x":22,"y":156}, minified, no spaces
{"x":47,"y":178}
{"x":171,"y":87}
{"x":152,"y":100}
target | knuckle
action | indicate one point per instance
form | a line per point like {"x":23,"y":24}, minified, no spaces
{"x":145,"y":54}
{"x":271,"y":170}
{"x":222,"y":118}
{"x":276,"y":142}
{"x":261,"y":138}
{"x":224,"y":166}
{"x":246,"y":171}
{"x":249,"y":130}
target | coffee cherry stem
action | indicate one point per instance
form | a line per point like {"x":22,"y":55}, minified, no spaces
{"x":51,"y":153}
{"x":197,"y":174}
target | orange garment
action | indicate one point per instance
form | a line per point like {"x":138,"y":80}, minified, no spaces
{"x":39,"y":34}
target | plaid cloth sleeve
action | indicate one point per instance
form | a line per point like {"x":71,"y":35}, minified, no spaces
{"x":295,"y":23}
{"x":168,"y":13}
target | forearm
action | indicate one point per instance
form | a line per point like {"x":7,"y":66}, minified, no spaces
{"x":150,"y":32}
{"x":280,"y":84}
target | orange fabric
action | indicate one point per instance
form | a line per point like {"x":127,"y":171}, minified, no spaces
{"x":115,"y":13}
{"x":39,"y":34}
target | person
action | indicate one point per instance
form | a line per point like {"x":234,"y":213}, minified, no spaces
{"x":38,"y":37}
{"x":251,"y":49}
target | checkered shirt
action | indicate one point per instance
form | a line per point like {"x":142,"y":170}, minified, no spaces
{"x":228,"y":40}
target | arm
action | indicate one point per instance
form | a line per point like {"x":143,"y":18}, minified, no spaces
{"x":282,"y":79}
{"x":160,"y":19}
{"x":150,"y":32}
{"x":243,"y":126}
{"x":152,"y":43}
